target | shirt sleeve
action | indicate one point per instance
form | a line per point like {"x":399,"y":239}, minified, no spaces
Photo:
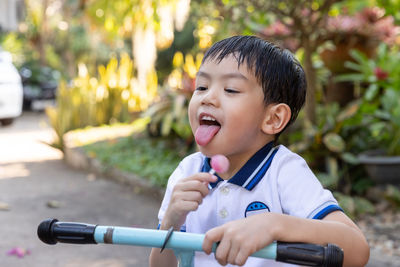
{"x":301,"y":194}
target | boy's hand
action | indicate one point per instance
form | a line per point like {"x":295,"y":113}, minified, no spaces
{"x":239,"y":239}
{"x":186,"y":196}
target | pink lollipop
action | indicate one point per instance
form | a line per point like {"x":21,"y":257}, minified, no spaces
{"x":219,"y":163}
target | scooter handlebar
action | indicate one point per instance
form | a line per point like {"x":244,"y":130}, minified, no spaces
{"x":309,"y":254}
{"x":52,"y":231}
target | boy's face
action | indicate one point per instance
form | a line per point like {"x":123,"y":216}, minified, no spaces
{"x":227,"y":110}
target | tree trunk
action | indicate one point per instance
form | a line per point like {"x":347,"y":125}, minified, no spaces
{"x":43,"y":34}
{"x":311,"y":83}
{"x":68,"y":56}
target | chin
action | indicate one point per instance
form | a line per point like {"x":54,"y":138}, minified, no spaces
{"x":208,"y":151}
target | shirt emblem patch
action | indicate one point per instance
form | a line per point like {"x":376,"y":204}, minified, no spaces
{"x":256,"y":207}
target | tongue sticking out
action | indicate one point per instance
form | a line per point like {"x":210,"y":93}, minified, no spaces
{"x":205,"y":133}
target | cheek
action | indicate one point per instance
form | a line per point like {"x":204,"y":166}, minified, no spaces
{"x":245,"y":117}
{"x":192,"y":110}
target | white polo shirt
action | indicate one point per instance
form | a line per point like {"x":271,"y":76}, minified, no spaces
{"x":273,"y":180}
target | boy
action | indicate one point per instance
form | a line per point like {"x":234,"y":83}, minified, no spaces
{"x":247,"y":92}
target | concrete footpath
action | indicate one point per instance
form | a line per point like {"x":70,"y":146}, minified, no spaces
{"x":36,"y":184}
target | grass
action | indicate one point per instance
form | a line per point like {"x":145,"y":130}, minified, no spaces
{"x":151,"y":158}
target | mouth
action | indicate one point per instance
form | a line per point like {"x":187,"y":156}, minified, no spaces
{"x":208,"y":120}
{"x":208,"y":128}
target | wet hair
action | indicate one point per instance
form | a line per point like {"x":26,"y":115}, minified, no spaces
{"x":278,"y":72}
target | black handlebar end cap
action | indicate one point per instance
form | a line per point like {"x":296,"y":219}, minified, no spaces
{"x":44,"y":231}
{"x":334,"y":256}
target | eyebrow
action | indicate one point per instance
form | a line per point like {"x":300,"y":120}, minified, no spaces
{"x":236,"y":75}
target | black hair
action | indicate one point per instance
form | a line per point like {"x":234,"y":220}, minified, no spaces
{"x":278,"y":72}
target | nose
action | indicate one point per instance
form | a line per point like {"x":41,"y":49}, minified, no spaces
{"x":211,"y":97}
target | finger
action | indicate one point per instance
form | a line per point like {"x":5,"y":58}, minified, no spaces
{"x":212,"y":236}
{"x":189,"y":196}
{"x":203,"y":177}
{"x":193,"y":185}
{"x":217,"y":235}
{"x":242,"y":256}
{"x":232,"y":253}
{"x":187,"y":206}
{"x":221,"y":254}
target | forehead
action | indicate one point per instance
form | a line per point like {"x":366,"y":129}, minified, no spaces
{"x":227,"y":67}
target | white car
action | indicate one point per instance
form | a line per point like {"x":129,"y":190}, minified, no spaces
{"x":11,"y":91}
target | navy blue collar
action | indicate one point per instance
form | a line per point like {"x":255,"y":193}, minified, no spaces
{"x":252,"y":172}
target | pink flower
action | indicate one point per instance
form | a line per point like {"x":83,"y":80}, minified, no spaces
{"x":371,"y":15}
{"x":386,"y":31}
{"x":277,"y":29}
{"x":343,"y":24}
{"x":370,"y":22}
{"x":380,"y":74}
{"x":19,"y":252}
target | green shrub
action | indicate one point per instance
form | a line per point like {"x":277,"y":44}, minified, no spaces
{"x":112,"y":97}
{"x":379,"y":106}
{"x":340,"y":134}
{"x":354,"y":206}
{"x":169,"y":114}
{"x":150,"y":158}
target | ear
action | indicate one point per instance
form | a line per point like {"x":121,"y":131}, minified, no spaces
{"x":276,"y":118}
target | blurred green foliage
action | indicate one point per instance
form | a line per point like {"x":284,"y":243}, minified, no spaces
{"x":15,"y":45}
{"x":379,"y":106}
{"x":169,"y":115}
{"x":392,"y":195}
{"x":151,"y":158}
{"x":341,"y":134}
{"x":89,"y":101}
{"x":354,"y":206}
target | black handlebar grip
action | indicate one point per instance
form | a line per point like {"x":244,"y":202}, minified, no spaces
{"x":51,"y":231}
{"x":310,"y":254}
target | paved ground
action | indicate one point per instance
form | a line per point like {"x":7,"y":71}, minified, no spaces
{"x":34,"y":177}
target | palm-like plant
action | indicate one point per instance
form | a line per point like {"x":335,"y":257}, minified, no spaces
{"x":380,"y":102}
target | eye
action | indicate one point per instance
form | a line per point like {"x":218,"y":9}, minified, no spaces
{"x":201,"y":88}
{"x":231,"y":91}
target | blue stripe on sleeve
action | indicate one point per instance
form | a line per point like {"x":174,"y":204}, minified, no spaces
{"x":320,"y":215}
